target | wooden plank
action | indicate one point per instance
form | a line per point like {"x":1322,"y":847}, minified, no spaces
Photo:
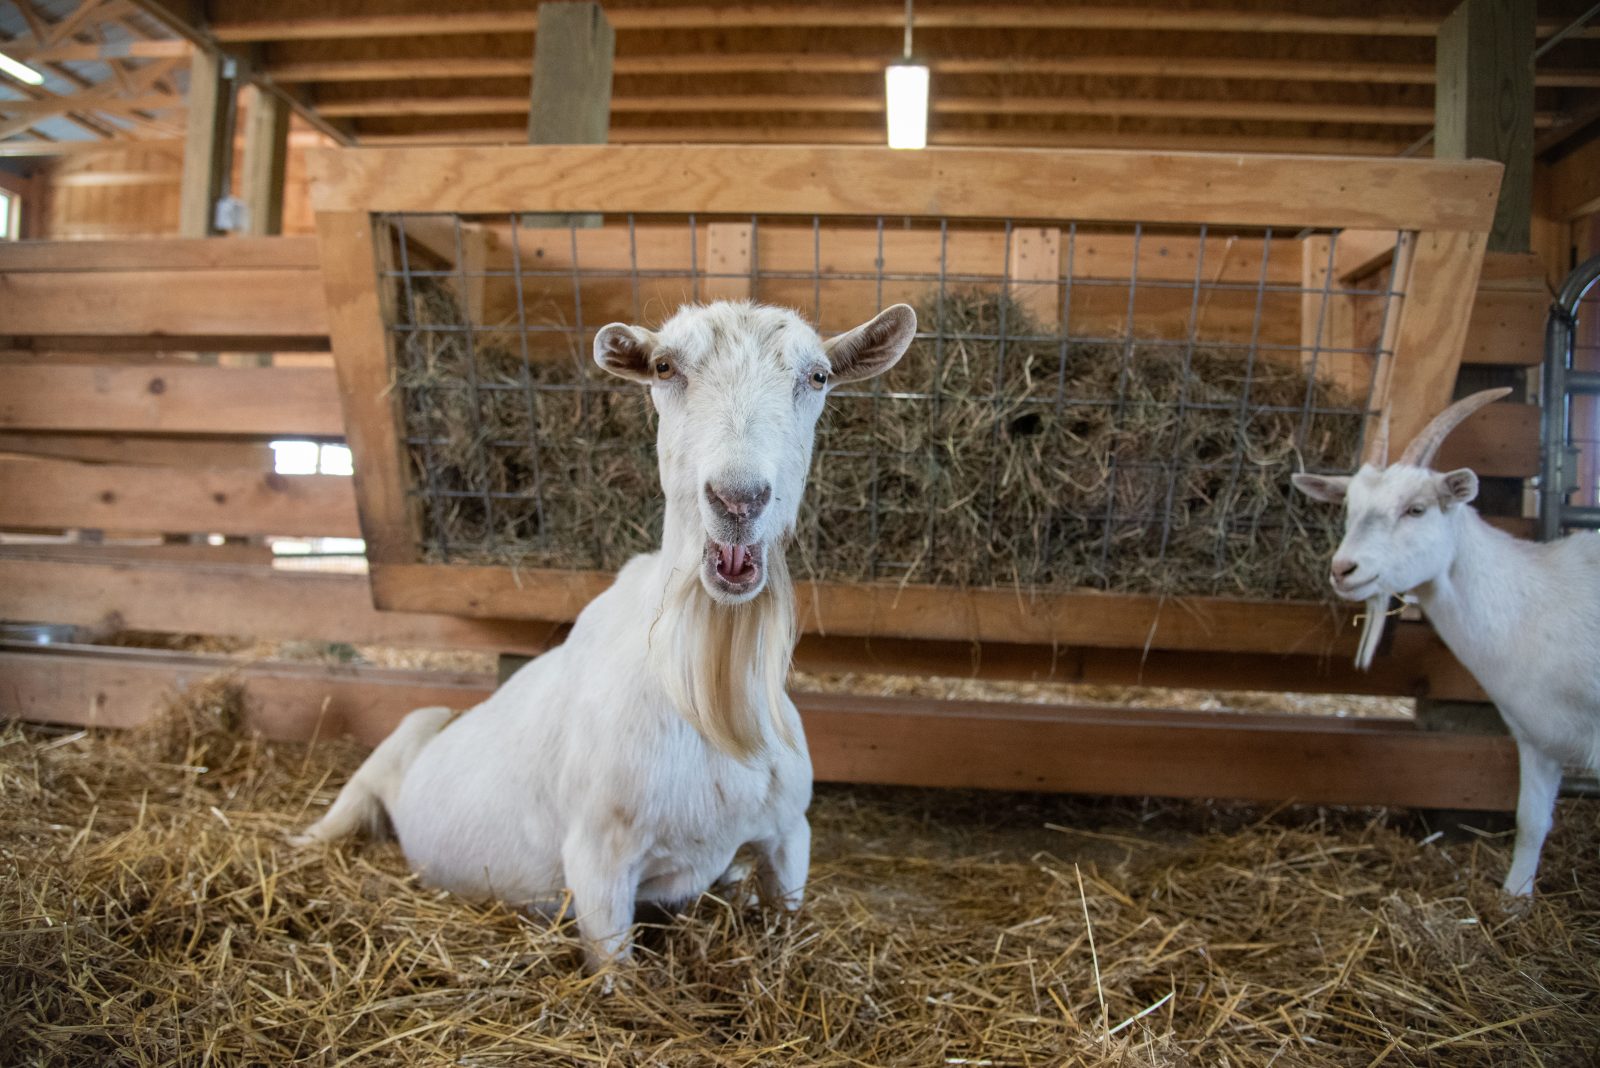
{"x":243,"y":601}
{"x":163,"y":254}
{"x":1500,"y":441}
{"x":42,"y":494}
{"x":1507,"y":327}
{"x":207,"y":140}
{"x":1114,"y":751}
{"x":172,"y":399}
{"x":166,"y":306}
{"x":350,"y":262}
{"x":1572,"y":183}
{"x":1039,"y":183}
{"x":1431,"y":330}
{"x":856,"y":739}
{"x":1484,"y":103}
{"x":266,"y":159}
{"x":125,"y":549}
{"x":728,"y":261}
{"x":98,"y":687}
{"x":153,"y":450}
{"x":1034,"y":270}
{"x":927,"y":612}
{"x":80,"y":585}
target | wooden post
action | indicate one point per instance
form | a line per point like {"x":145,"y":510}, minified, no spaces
{"x":204,"y":145}
{"x":1483,"y":104}
{"x":571,"y":105}
{"x":728,"y":259}
{"x":1035,"y":273}
{"x":266,"y":153}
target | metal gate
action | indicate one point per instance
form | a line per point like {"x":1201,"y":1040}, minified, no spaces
{"x":1571,"y":402}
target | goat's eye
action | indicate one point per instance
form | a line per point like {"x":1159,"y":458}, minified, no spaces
{"x":1416,"y":510}
{"x":663,"y":369}
{"x":819,"y":379}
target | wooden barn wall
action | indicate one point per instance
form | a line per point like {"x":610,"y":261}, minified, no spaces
{"x":132,"y":190}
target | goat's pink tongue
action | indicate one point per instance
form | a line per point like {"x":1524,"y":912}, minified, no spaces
{"x":730,"y":559}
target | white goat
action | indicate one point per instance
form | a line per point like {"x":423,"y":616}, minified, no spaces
{"x":1523,"y":617}
{"x":630,"y":763}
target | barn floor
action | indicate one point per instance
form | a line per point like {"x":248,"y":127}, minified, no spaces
{"x":151,"y":914}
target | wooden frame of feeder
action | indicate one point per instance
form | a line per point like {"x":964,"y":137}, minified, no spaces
{"x":1441,"y":212}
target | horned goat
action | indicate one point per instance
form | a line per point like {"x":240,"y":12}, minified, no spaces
{"x":1523,"y":617}
{"x":630,"y":763}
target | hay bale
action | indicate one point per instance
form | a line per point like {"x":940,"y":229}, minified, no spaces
{"x":150,"y":913}
{"x":1035,"y":462}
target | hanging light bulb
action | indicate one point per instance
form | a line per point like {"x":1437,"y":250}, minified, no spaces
{"x":906,"y":89}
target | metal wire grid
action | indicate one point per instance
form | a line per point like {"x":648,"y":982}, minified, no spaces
{"x":530,"y":354}
{"x":1584,"y":411}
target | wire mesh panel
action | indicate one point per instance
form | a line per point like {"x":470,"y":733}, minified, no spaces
{"x":1111,"y":407}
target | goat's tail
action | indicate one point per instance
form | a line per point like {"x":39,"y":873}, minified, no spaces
{"x":376,"y":784}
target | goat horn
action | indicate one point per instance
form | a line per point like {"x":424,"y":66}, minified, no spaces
{"x":1380,"y":444}
{"x":1422,"y":447}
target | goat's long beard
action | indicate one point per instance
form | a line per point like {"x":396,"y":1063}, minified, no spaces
{"x":725,"y":665}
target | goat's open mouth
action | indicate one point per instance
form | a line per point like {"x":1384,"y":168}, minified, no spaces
{"x":735,"y":569}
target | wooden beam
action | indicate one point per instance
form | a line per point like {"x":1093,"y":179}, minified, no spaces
{"x":925,"y":612}
{"x":856,"y":16}
{"x":1090,"y":186}
{"x":266,"y":156}
{"x":47,"y":494}
{"x":1484,"y":104}
{"x":1231,"y":68}
{"x":205,"y":144}
{"x":1032,"y":137}
{"x":351,"y":258}
{"x":172,"y":399}
{"x":88,"y":589}
{"x":802,"y":103}
{"x":571,"y":94}
{"x":98,"y":51}
{"x":855,"y":739}
{"x":571,"y":76}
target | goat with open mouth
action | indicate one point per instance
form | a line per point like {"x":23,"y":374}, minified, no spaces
{"x":631,"y":763}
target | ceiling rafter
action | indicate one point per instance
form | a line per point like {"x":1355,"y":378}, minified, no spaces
{"x":1145,"y":66}
{"x":890,"y":16}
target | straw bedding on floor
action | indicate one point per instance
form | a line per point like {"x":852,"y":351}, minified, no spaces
{"x":150,"y":913}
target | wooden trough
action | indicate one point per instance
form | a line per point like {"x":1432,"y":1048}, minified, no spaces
{"x":105,"y":424}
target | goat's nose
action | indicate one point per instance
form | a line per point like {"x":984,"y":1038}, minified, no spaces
{"x":1344,"y":567}
{"x":740,"y":503}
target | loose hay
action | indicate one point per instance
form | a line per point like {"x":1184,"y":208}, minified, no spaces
{"x":151,"y":914}
{"x":1034,"y":462}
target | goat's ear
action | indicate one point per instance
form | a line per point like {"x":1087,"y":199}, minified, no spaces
{"x":1330,"y":488}
{"x":625,"y":351}
{"x":873,"y":347}
{"x":1456,"y":487}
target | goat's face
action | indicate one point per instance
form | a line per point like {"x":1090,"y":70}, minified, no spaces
{"x":1399,"y":531}
{"x":739,"y":388}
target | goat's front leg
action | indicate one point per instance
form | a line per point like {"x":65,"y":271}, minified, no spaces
{"x":1540,"y":778}
{"x":782,"y":863}
{"x":603,"y":892}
